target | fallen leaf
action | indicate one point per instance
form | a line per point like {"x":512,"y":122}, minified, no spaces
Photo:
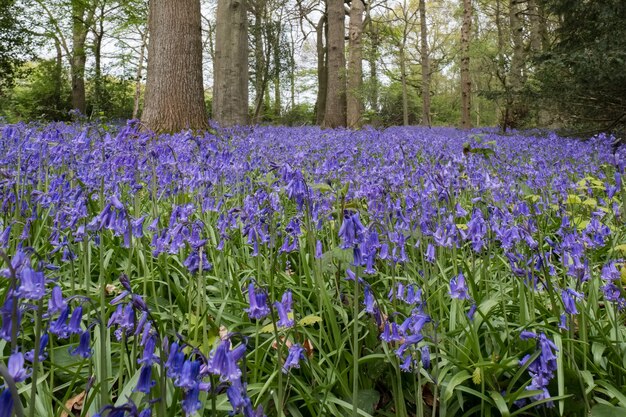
{"x":74,"y":404}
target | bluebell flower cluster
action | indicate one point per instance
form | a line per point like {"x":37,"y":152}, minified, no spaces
{"x":543,"y":368}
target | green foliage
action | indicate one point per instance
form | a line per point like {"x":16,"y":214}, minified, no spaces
{"x":13,"y":43}
{"x":42,"y":93}
{"x":583,"y":75}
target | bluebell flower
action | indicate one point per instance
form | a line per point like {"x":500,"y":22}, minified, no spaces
{"x":318,"y":249}
{"x":6,"y":403}
{"x":284,"y":308}
{"x":258,"y":303}
{"x":425,"y":356}
{"x":458,"y":288}
{"x":223,"y":364}
{"x":16,"y":368}
{"x":9,"y":319}
{"x":568,"y":295}
{"x":296,"y":353}
{"x":59,"y":326}
{"x":32,"y":284}
{"x":175,"y":361}
{"x":191,"y":403}
{"x":527,"y":335}
{"x":430,"y":253}
{"x":368,"y":300}
{"x":76,"y":320}
{"x":189,"y":375}
{"x":145,"y":382}
{"x":149,"y":357}
{"x":56,"y":302}
{"x":43,"y":343}
{"x":84,"y":346}
{"x":192,"y":263}
{"x":471,"y":312}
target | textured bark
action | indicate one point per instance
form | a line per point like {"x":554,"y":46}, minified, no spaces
{"x":425,"y":57}
{"x":535,"y":26}
{"x":355,"y":65}
{"x":517,"y":110}
{"x":466,"y":82}
{"x":81,"y":21}
{"x":405,"y":87}
{"x":259,"y":59}
{"x":277,"y":68}
{"x":174,"y":98}
{"x":335,"y":114}
{"x":230,"y":88}
{"x":372,"y":58}
{"x":322,"y":75}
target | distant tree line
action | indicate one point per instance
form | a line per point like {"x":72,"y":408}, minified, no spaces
{"x":510,"y":63}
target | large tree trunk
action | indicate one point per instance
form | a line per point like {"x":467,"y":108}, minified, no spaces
{"x":336,"y":92}
{"x":98,"y":35}
{"x":174,"y":98}
{"x":355,"y":65}
{"x":259,"y":59}
{"x":322,"y":74}
{"x":81,"y":21}
{"x":425,"y":57}
{"x":277,"y":68}
{"x":466,"y":82}
{"x":230,"y":87}
{"x":517,"y":111}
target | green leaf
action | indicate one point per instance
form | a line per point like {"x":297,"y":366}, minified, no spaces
{"x":603,"y":410}
{"x":309,"y":320}
{"x":454,"y":381}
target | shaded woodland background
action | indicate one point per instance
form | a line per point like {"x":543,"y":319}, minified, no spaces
{"x":529,"y":63}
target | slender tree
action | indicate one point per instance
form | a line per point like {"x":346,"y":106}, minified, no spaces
{"x":174,"y":98}
{"x":425,"y":58}
{"x":355,"y":65}
{"x":230,"y":88}
{"x":335,"y":113}
{"x":466,"y":82}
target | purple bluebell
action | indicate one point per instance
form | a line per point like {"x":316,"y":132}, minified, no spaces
{"x":149,"y":357}
{"x":223,"y":364}
{"x":296,"y":354}
{"x":56,"y":303}
{"x":191,"y":403}
{"x":76,"y":320}
{"x":189,"y":376}
{"x":368,"y":300}
{"x":458,"y":288}
{"x":284,"y":309}
{"x":6,"y":403}
{"x":145,"y":382}
{"x":425,"y":356}
{"x":430,"y":253}
{"x":84,"y":346}
{"x":568,"y":296}
{"x":16,"y":367}
{"x":32,"y":284}
{"x":43,"y":344}
{"x":258,"y":303}
{"x":59,"y":326}
{"x":175,"y":361}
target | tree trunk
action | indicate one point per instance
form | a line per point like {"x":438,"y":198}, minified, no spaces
{"x":277,"y":69}
{"x":259,"y":59}
{"x":98,"y":35}
{"x":405,"y":88}
{"x":372,"y":58}
{"x":535,"y":26}
{"x":138,"y":76}
{"x":517,"y":111}
{"x":230,"y":87}
{"x":335,"y":114}
{"x":174,"y":97}
{"x":466,"y":82}
{"x":322,"y":68}
{"x":425,"y":57}
{"x":58,"y":79}
{"x":355,"y":65}
{"x":81,"y":21}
